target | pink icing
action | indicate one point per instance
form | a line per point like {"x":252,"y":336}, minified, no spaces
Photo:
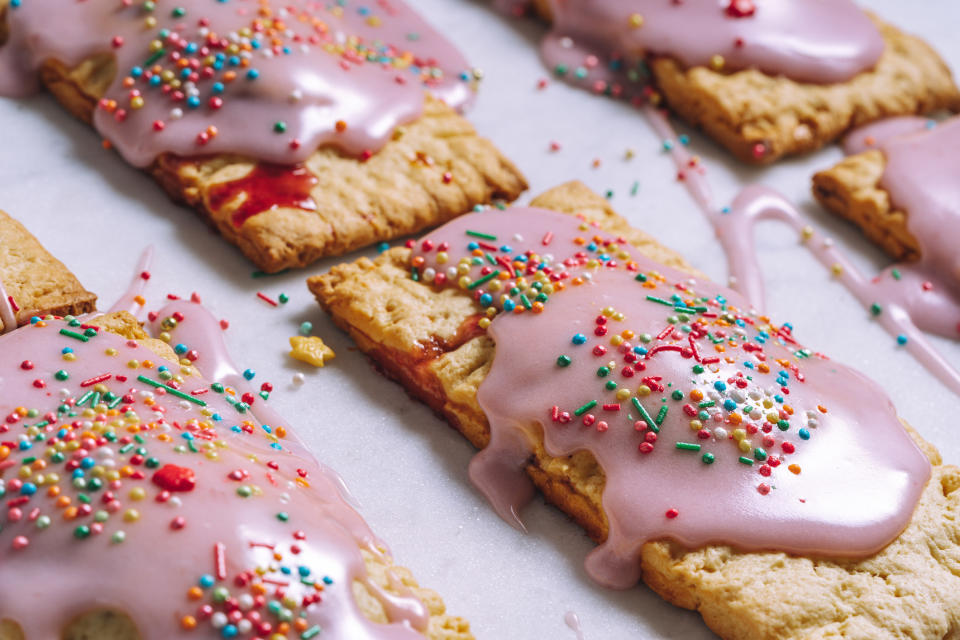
{"x":870,"y":136}
{"x":292,"y":520}
{"x":822,"y":465}
{"x":315,"y":76}
{"x":820,"y":41}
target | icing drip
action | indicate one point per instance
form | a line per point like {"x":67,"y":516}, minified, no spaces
{"x":114,"y":464}
{"x":572,"y":620}
{"x":267,"y":80}
{"x":8,"y":314}
{"x":132,"y":300}
{"x":898,"y":297}
{"x":711,"y":424}
{"x":820,"y":41}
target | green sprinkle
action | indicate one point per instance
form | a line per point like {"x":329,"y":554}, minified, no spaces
{"x":311,"y":632}
{"x":482,"y":236}
{"x":283,"y":298}
{"x":159,"y":53}
{"x":178,"y":12}
{"x":61,"y":375}
{"x":81,"y":532}
{"x":677,"y":394}
{"x":662,"y":414}
{"x":82,"y":400}
{"x":610,"y":385}
{"x":646,"y":416}
{"x":582,"y":410}
{"x":564,"y":361}
{"x":895,"y":273}
{"x":603,"y":372}
{"x":279,"y":126}
{"x":245,"y":492}
{"x":127,"y":448}
{"x":659,"y":301}
{"x":264,"y":274}
{"x":414,"y":274}
{"x":745,"y":460}
{"x":698,"y":368}
{"x":783,"y":425}
{"x":217,"y":387}
{"x":640,"y":278}
{"x":708,"y":458}
{"x":171,"y":390}
{"x":876,"y":309}
{"x":688,"y":446}
{"x":706,"y":404}
{"x":525,"y":301}
{"x":760,"y":454}
{"x":487,"y":278}
{"x":283,"y":516}
{"x":74,"y":335}
{"x":635,"y":187}
{"x":118,"y":537}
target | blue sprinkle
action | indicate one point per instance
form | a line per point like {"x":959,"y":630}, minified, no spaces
{"x":720,"y":385}
{"x":383,"y":246}
{"x":229,"y":631}
{"x":304,"y":571}
{"x":193,"y":102}
{"x":66,"y":350}
{"x":136,"y":72}
{"x":249,"y":374}
{"x":253,"y":74}
{"x":180,"y":349}
{"x":28,"y":489}
{"x":901,"y":339}
{"x":25,"y":444}
{"x":508,"y":305}
{"x":206,"y":581}
{"x":88,"y":463}
{"x":155,"y":81}
{"x":486,"y":300}
{"x":804,"y":434}
{"x":473,"y":246}
{"x":217,"y":87}
{"x":729,"y":404}
{"x":579,"y":338}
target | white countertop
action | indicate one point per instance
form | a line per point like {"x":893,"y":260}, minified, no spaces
{"x":404,"y":464}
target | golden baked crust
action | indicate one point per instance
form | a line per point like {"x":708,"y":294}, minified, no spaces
{"x":428,"y":341}
{"x":851,"y":189}
{"x":747,"y":108}
{"x":106,"y":624}
{"x":435,"y":169}
{"x":38,"y":282}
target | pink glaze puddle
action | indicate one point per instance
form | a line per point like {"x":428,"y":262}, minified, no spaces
{"x":271,"y":87}
{"x":711,"y":424}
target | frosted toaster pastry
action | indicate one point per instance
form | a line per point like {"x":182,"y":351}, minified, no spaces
{"x":33,"y":282}
{"x":144,"y":502}
{"x":734,"y":471}
{"x":299,"y":130}
{"x":763,"y":78}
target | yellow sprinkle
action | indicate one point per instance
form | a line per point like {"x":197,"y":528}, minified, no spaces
{"x":745,"y":446}
{"x":836,"y":269}
{"x":483,"y":323}
{"x":806,"y":233}
{"x":717,"y":62}
{"x":643,"y":390}
{"x":312,"y":350}
{"x":623,"y":394}
{"x":636,"y":20}
{"x":696,"y":425}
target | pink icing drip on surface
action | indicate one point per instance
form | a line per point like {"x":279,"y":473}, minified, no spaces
{"x":857,"y":473}
{"x":820,"y":41}
{"x":138,"y":284}
{"x":293,"y":509}
{"x":306,"y":88}
{"x":871,"y":136}
{"x":907,"y":307}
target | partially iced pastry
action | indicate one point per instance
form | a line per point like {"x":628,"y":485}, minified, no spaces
{"x":144,"y":502}
{"x":733,"y":470}
{"x":299,"y":129}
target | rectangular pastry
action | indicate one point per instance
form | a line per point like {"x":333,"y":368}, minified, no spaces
{"x":735,"y":472}
{"x":33,"y":282}
{"x":143,"y":502}
{"x":299,"y":131}
{"x":763,"y":79}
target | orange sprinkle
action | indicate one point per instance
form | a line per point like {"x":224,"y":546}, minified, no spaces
{"x":188,"y":622}
{"x":696,"y":395}
{"x":195,"y":593}
{"x":821,"y":408}
{"x":63,"y":501}
{"x":794,"y":469}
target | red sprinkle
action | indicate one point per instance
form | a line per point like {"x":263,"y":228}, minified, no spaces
{"x":170,"y":477}
{"x":267,"y":299}
{"x":672,"y":513}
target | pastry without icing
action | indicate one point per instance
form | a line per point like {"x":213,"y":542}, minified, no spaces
{"x":732,"y":470}
{"x":144,"y":502}
{"x":33,"y":282}
{"x":300,"y":129}
{"x":763,"y":78}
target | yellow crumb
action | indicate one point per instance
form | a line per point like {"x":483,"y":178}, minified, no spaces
{"x":310,"y":349}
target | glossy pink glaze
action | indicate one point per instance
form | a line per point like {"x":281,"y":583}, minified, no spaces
{"x":324,"y":79}
{"x":907,"y":306}
{"x":818,"y":41}
{"x":48,"y":575}
{"x":872,"y":135}
{"x":858,"y":475}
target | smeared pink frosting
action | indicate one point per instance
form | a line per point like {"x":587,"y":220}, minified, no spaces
{"x":711,"y":425}
{"x":872,"y":135}
{"x":818,"y":41}
{"x":364,"y":66}
{"x":222,"y":499}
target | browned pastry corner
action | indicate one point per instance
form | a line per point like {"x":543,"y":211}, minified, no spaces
{"x":851,"y":189}
{"x":434,"y":169}
{"x":428,"y":341}
{"x":743,"y":109}
{"x":38,"y":283}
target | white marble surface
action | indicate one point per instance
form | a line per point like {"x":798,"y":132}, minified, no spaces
{"x":405,"y":465}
